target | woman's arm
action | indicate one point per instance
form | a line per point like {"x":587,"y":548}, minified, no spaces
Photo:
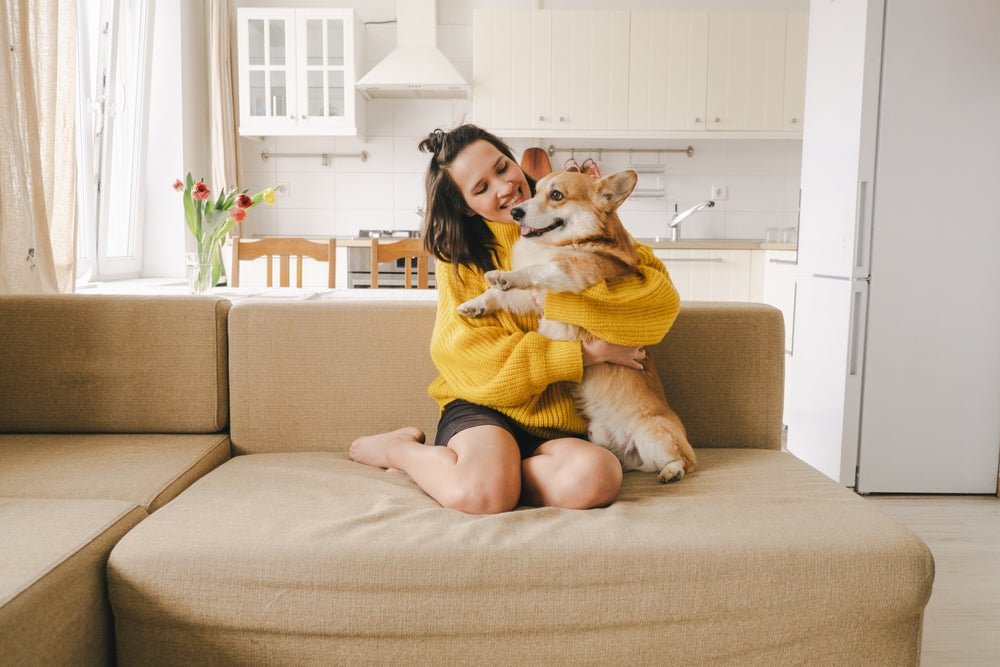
{"x":633,"y":312}
{"x":497,"y":360}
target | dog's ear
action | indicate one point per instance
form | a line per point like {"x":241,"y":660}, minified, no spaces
{"x":614,"y":189}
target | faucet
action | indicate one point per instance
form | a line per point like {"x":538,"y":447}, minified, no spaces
{"x":675,"y":224}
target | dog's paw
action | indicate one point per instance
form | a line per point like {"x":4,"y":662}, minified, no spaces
{"x":473,"y":308}
{"x":498,"y":280}
{"x":672,"y":472}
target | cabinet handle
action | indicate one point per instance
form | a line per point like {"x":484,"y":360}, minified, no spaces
{"x":795,"y":120}
{"x":562,"y":119}
{"x":697,"y":120}
{"x":694,"y":259}
{"x":718,"y":120}
{"x":782,"y":261}
{"x":541,"y":118}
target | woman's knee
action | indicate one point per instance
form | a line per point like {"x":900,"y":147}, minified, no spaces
{"x":478,"y":495}
{"x":586,"y":476}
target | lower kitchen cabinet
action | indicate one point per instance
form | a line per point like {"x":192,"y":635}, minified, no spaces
{"x":711,"y":274}
{"x":779,"y":288}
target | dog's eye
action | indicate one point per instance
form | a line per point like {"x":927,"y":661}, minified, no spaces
{"x":555,"y":195}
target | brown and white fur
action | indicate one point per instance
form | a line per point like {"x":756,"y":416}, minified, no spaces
{"x":572,"y":238}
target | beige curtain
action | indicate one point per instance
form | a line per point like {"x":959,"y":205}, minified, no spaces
{"x":222,"y":65}
{"x":38,"y":209}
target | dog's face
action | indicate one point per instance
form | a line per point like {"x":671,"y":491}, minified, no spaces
{"x":569,"y":205}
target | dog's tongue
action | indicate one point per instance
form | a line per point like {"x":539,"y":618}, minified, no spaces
{"x":526,"y":231}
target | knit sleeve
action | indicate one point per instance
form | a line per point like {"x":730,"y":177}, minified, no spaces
{"x":635,"y":311}
{"x":496,"y":360}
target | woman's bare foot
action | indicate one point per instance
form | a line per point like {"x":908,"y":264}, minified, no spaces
{"x":373,"y":450}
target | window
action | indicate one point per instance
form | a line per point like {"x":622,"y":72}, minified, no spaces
{"x":113,"y":67}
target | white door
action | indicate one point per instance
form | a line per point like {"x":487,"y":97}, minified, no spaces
{"x":819,"y":401}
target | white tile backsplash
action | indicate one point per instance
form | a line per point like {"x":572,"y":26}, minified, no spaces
{"x":761,"y":175}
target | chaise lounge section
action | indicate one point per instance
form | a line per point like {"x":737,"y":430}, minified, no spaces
{"x":109,"y":407}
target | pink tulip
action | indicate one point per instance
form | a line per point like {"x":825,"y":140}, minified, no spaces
{"x":200,"y":191}
{"x":237,"y":214}
{"x":178,"y":185}
{"x":244,"y":201}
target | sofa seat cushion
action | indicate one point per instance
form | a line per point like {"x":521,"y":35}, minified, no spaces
{"x":144,"y":469}
{"x":53,"y":598}
{"x":310,"y":558}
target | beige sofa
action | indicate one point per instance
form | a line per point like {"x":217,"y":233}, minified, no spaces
{"x":290,"y":553}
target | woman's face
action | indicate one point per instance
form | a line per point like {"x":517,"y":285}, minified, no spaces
{"x":490,"y":182}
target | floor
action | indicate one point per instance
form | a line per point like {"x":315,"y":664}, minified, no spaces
{"x":962,"y":620}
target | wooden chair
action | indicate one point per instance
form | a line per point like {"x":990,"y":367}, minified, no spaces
{"x":407,"y":249}
{"x":284,"y":248}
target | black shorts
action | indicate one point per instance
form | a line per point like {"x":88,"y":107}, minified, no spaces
{"x":460,"y":415}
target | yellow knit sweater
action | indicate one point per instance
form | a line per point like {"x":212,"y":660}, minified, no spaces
{"x":501,"y":361}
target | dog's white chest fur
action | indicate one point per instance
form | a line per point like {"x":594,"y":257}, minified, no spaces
{"x":529,"y":252}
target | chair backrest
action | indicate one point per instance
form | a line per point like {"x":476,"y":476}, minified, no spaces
{"x":407,"y":249}
{"x":284,"y":248}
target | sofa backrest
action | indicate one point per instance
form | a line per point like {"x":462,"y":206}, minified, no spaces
{"x":113,"y":363}
{"x":309,"y":376}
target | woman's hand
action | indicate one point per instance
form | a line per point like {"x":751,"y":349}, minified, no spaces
{"x":597,"y":351}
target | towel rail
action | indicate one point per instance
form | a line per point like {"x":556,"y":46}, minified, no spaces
{"x":325,"y":157}
{"x":553,"y":150}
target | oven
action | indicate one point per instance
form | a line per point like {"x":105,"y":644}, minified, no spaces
{"x":390,"y":274}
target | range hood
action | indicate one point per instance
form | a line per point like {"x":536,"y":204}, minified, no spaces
{"x":416,"y":68}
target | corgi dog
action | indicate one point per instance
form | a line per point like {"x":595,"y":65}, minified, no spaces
{"x":572,"y":238}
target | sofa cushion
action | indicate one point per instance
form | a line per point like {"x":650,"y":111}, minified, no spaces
{"x":310,"y":558}
{"x":314,"y":376}
{"x":113,"y":363}
{"x":146,"y":469}
{"x":53,"y":597}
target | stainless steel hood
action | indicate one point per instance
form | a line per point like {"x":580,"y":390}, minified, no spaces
{"x":416,"y":68}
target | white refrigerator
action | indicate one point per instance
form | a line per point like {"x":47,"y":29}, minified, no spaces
{"x":894,"y":373}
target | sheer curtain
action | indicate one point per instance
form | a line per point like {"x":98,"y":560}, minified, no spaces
{"x":38,"y":210}
{"x":222,"y":94}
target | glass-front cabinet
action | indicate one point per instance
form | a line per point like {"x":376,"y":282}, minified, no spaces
{"x":297,"y":69}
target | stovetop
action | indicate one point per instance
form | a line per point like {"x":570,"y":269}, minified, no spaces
{"x":389,"y":233}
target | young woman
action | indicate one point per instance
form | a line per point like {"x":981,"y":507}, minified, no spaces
{"x":509,"y":432}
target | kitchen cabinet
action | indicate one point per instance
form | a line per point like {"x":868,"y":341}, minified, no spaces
{"x":640,"y":73}
{"x":779,"y":288}
{"x":668,"y":62}
{"x":746,"y":65}
{"x":796,"y":43}
{"x":712,"y":274}
{"x":550,"y":70}
{"x":297,"y":70}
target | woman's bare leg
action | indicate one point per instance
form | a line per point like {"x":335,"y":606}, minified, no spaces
{"x":479,"y":472}
{"x":570,"y":473}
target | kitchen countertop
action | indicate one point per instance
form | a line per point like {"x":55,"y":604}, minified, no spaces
{"x":683,"y":244}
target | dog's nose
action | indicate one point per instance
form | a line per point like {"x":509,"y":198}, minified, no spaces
{"x":517,"y":213}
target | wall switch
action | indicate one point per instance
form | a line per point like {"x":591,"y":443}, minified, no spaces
{"x":719,"y":192}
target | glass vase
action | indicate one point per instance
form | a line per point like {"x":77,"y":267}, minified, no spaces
{"x":200,"y":271}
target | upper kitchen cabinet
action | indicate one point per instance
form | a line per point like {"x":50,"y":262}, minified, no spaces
{"x":555,"y":71}
{"x":668,"y":59}
{"x":297,"y":70}
{"x":796,"y":42}
{"x":640,"y":73}
{"x":746,"y":67}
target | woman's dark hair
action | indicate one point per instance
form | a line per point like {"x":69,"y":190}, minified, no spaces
{"x":451,"y":232}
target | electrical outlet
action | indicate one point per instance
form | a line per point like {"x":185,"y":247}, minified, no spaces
{"x":719,"y":192}
{"x":283,"y":190}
